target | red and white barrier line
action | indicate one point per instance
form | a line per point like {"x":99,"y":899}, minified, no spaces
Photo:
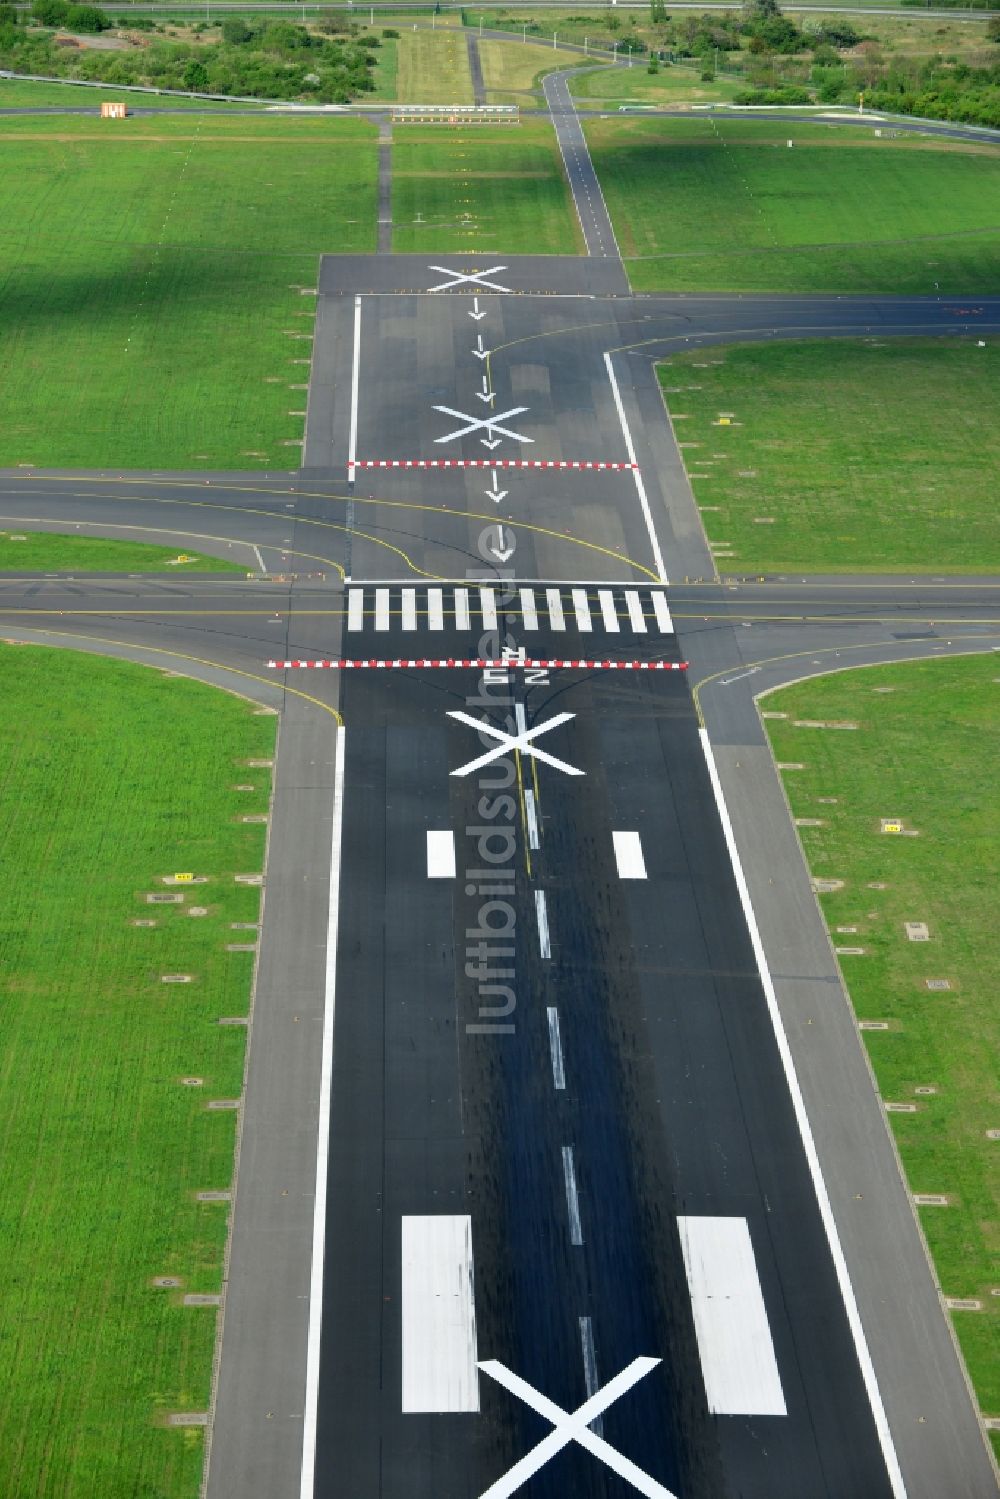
{"x":493,"y":463}
{"x":478,"y":663}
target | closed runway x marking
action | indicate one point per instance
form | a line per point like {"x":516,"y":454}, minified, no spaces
{"x":519,"y":741}
{"x":476,"y":424}
{"x":573,"y":1427}
{"x":471,"y":278}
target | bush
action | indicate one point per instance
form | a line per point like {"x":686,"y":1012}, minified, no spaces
{"x":50,"y":12}
{"x":390,"y":33}
{"x":87,"y":18}
{"x":773,"y":96}
{"x":235,"y":31}
{"x":8,"y":15}
{"x":196,"y":77}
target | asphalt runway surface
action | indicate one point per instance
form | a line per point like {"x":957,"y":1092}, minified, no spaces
{"x":670,"y":1169}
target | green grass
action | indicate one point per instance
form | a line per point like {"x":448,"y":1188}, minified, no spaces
{"x":46,"y":551}
{"x":612,"y":87}
{"x":103,"y":1148}
{"x":508,"y":180}
{"x":149,"y":283}
{"x":926,"y":752}
{"x":19,"y":95}
{"x":432,"y":67}
{"x":513,"y":67}
{"x":858,"y":455}
{"x":725,"y":205}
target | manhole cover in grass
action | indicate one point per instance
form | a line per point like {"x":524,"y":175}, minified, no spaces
{"x":167,"y":1282}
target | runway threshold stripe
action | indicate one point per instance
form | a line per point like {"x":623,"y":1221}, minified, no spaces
{"x":381,"y":608}
{"x":435,"y":608}
{"x":553,"y":601}
{"x":463,"y":619}
{"x":355,"y":608}
{"x":409,"y":608}
{"x":628,"y":854}
{"x":439,"y":1315}
{"x":730,"y":1319}
{"x":581,"y":609}
{"x":529,"y":614}
{"x":488,"y":607}
{"x":662,"y":612}
{"x":440,"y":855}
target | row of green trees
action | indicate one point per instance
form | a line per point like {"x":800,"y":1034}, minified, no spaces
{"x":272,"y":59}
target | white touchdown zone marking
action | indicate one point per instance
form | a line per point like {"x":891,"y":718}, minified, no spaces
{"x":808,"y":1143}
{"x":441,"y":863}
{"x":628,"y":855}
{"x":647,"y":515}
{"x":439,"y":1315}
{"x":730,"y":1319}
{"x":309,"y":1423}
{"x":555,"y":1049}
{"x":542,"y":917}
{"x":572,"y":1197}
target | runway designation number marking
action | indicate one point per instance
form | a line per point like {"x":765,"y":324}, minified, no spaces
{"x":521,"y":741}
{"x":468,"y":278}
{"x":573,"y":1427}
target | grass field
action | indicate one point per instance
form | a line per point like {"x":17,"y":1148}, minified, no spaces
{"x":44,"y":551}
{"x":18,"y":95}
{"x":149,"y":283}
{"x":858,"y":455}
{"x":498,"y":189}
{"x":432,"y":67}
{"x":925,"y":751}
{"x":104,"y":1148}
{"x":725,"y":205}
{"x":671,"y":85}
{"x":511,"y":67}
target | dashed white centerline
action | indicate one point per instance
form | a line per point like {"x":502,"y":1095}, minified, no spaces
{"x":590,"y":1367}
{"x":542,"y":917}
{"x":532,"y":819}
{"x":572,"y":1198}
{"x":555,"y":1050}
{"x":628,"y":855}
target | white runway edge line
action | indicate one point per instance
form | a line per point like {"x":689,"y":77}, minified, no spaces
{"x":352,"y":450}
{"x":323,"y":1137}
{"x":440,"y":855}
{"x":730,"y":1319}
{"x":808,"y":1143}
{"x":440,"y":1355}
{"x":661,"y":570}
{"x":628,"y":856}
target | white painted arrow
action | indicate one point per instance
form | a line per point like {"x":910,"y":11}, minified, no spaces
{"x":495,"y":494}
{"x":491,"y":445}
{"x":487,"y":394}
{"x":477,"y":314}
{"x":479,"y":352}
{"x":497,"y":547}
